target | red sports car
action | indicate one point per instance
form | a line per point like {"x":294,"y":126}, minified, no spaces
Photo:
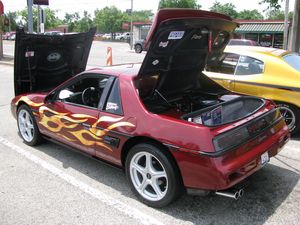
{"x":168,"y":125}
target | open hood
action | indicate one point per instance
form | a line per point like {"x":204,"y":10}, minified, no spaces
{"x":44,"y":61}
{"x":180,"y":42}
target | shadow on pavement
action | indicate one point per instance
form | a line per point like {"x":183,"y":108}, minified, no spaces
{"x":265,"y":191}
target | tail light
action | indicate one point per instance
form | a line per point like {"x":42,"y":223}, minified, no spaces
{"x":244,"y":133}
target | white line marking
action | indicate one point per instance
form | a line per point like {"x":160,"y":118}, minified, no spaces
{"x":122,"y":207}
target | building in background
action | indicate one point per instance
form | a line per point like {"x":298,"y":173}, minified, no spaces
{"x":268,"y":33}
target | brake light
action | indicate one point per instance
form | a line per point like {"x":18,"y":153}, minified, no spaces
{"x":252,"y":129}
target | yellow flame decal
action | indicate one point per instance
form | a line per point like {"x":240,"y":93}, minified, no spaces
{"x":58,"y":122}
{"x":29,"y":102}
{"x":120,"y":124}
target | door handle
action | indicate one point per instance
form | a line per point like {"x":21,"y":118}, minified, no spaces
{"x":86,"y":125}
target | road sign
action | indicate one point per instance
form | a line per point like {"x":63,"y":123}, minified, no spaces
{"x":1,"y":8}
{"x":41,"y":2}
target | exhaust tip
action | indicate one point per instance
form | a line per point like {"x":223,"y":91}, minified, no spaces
{"x":241,"y":193}
{"x":235,"y":194}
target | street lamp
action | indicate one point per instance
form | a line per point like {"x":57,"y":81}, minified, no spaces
{"x":131,"y":27}
{"x":286,"y":25}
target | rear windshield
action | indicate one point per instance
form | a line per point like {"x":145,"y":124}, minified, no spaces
{"x":293,"y":60}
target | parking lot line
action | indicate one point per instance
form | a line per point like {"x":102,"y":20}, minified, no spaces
{"x":108,"y":200}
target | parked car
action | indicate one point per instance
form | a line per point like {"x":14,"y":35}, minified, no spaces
{"x":170,"y":127}
{"x":242,"y":42}
{"x":7,"y":35}
{"x":54,"y":32}
{"x":264,"y":72}
{"x":139,"y":46}
{"x":106,"y":36}
{"x":124,"y":36}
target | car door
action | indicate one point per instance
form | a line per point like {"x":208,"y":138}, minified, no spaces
{"x":223,"y":71}
{"x":248,"y":75}
{"x":113,"y":126}
{"x":73,"y":113}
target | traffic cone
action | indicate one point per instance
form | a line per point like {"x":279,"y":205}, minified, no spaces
{"x":109,"y":56}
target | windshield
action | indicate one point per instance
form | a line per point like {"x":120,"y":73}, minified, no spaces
{"x":293,"y":60}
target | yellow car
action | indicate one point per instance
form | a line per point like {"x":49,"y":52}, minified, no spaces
{"x":265,"y":72}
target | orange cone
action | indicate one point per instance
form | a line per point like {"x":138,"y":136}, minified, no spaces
{"x":109,"y":56}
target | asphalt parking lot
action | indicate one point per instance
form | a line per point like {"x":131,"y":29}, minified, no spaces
{"x":50,"y":184}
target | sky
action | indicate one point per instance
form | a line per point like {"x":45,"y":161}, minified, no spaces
{"x":71,"y":6}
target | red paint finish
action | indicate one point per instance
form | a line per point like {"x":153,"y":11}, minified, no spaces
{"x":188,"y":140}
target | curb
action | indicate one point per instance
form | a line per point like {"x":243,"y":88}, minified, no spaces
{"x":7,"y":63}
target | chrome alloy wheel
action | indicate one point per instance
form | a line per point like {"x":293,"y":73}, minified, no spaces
{"x":289,"y":116}
{"x":148,"y":176}
{"x":26,"y":125}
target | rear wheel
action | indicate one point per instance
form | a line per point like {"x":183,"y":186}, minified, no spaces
{"x":291,"y":116}
{"x":152,"y":175}
{"x":138,"y":48}
{"x":27,"y":126}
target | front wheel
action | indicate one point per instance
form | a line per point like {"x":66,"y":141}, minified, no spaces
{"x":153,"y":176}
{"x":27,"y":126}
{"x":291,"y":116}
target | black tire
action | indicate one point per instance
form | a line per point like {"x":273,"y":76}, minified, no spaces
{"x":36,"y":135}
{"x":138,"y":48}
{"x":170,"y":185}
{"x":289,"y":111}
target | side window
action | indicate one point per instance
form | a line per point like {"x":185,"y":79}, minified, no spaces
{"x":114,"y":104}
{"x":86,"y":91}
{"x":226,"y":64}
{"x":248,"y":66}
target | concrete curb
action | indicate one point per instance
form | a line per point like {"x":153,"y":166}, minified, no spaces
{"x":7,"y":63}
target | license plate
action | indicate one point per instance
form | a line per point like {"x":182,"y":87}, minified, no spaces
{"x":264,"y":158}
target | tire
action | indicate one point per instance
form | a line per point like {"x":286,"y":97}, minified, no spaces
{"x":158,"y":186}
{"x":138,"y":48}
{"x":291,"y":115}
{"x":27,"y":126}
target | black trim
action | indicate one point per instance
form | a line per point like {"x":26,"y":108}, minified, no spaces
{"x":286,"y":88}
{"x":219,"y":153}
{"x":115,"y":132}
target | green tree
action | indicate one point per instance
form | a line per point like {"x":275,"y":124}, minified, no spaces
{"x":250,"y":15}
{"x":109,"y":19}
{"x":72,"y":21}
{"x":178,"y":4}
{"x":12,"y":17}
{"x":227,"y":9}
{"x":295,"y":31}
{"x":52,"y":20}
{"x":85,"y":23}
{"x":277,"y":14}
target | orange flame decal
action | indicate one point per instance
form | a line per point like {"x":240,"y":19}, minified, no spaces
{"x":29,"y":102}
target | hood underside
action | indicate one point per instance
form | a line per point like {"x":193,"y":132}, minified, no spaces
{"x":180,"y":43}
{"x":44,"y":61}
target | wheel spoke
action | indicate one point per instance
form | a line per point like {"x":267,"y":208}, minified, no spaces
{"x":139,"y":168}
{"x":159,"y":174}
{"x":143,"y":185}
{"x":148,"y":162}
{"x":157,"y":189}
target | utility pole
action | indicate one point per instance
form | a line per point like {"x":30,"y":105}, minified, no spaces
{"x":30,"y":20}
{"x":131,"y":27}
{"x":294,"y":42}
{"x":286,"y":25}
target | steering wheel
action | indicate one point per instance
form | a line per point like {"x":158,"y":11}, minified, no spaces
{"x":90,"y":97}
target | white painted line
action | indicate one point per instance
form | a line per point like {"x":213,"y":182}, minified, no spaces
{"x":108,"y":200}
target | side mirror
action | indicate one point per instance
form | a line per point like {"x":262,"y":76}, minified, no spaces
{"x":50,"y":97}
{"x":63,"y":94}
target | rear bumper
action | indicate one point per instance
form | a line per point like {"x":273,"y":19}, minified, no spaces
{"x":219,"y":173}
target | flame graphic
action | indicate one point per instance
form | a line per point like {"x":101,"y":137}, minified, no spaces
{"x":29,"y":102}
{"x":69,"y":127}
